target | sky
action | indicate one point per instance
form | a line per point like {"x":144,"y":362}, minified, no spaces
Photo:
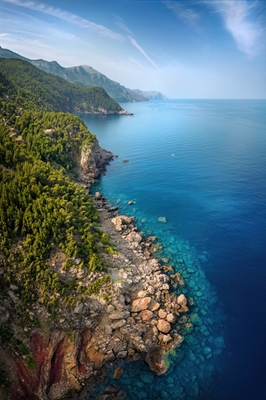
{"x":185,"y":49}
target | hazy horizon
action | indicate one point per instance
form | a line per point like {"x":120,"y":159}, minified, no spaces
{"x":202,"y":49}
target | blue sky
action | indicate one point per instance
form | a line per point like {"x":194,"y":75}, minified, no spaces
{"x":186,"y":49}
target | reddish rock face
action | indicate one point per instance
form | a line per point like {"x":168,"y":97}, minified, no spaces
{"x":58,"y":359}
{"x":140,"y":304}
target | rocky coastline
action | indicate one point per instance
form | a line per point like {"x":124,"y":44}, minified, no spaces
{"x":135,"y":314}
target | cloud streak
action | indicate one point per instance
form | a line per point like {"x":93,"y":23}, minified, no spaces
{"x":140,"y":49}
{"x":237,"y":19}
{"x":188,"y":15}
{"x":99,"y":30}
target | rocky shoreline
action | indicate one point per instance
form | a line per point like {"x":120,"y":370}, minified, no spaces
{"x":142,"y":318}
{"x":134,"y":314}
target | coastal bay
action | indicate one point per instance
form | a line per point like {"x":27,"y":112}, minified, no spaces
{"x":200,"y":165}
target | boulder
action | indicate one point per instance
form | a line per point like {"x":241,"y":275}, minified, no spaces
{"x":165,"y":338}
{"x":134,"y":237}
{"x":119,"y":315}
{"x":140,"y":304}
{"x":165,"y":286}
{"x":118,"y":372}
{"x":118,"y":324}
{"x":112,"y":389}
{"x":146,"y":315}
{"x":162,"y":313}
{"x":163,"y":326}
{"x":151,"y":289}
{"x":142,"y":294}
{"x":182,"y":300}
{"x":97,"y":195}
{"x":122,"y":354}
{"x":120,"y":221}
{"x":171,"y":318}
{"x":154,"y":305}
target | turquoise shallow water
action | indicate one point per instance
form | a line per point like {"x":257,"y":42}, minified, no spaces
{"x":201,"y":165}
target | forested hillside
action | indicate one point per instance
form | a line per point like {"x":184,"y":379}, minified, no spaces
{"x":49,"y":92}
{"x":83,"y":75}
{"x":49,"y":234}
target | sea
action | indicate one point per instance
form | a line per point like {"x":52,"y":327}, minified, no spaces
{"x":196,"y":173}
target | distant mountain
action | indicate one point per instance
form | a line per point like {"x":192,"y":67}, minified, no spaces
{"x":52,"y":93}
{"x":84,"y":75}
{"x":151,"y":95}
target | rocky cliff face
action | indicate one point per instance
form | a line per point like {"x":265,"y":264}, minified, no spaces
{"x":93,"y":161}
{"x":134,"y":316}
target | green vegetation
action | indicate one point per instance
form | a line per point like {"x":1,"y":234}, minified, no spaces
{"x":4,"y":381}
{"x":48,"y":92}
{"x":83,"y":76}
{"x":43,"y":211}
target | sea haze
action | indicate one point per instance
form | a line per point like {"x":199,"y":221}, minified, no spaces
{"x":200,"y":164}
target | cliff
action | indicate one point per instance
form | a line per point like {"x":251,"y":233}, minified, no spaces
{"x":133,"y":315}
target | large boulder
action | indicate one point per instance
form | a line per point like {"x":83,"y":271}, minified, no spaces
{"x":140,"y":304}
{"x":146,"y":315}
{"x":163,"y":326}
{"x":121,"y":221}
{"x":182,"y":300}
{"x":134,"y":237}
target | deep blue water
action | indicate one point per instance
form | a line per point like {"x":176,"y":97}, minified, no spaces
{"x":201,"y":164}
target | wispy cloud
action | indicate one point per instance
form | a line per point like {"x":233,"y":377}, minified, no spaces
{"x":140,"y":49}
{"x":99,"y":30}
{"x":186,"y":14}
{"x":238,"y":21}
{"x":120,"y":22}
{"x":4,"y":34}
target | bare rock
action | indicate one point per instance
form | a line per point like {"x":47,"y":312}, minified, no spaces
{"x":165,"y":338}
{"x":140,"y":304}
{"x":79,"y":308}
{"x":142,"y":293}
{"x":171,"y":318}
{"x":151,"y":289}
{"x":97,"y":195}
{"x":136,"y":357}
{"x":154,"y":305}
{"x":146,"y":315}
{"x":134,"y":237}
{"x":110,"y":308}
{"x":118,"y":372}
{"x":112,"y":389}
{"x":182,"y":300}
{"x":118,"y":324}
{"x":162,"y":313}
{"x":122,"y":354}
{"x":119,"y":315}
{"x":163,"y":326}
{"x":165,"y":286}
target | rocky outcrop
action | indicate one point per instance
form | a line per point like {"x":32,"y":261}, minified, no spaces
{"x":93,"y":161}
{"x":135,"y":317}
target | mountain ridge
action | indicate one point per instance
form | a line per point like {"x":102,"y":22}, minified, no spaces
{"x":88,"y":76}
{"x":50,"y":92}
